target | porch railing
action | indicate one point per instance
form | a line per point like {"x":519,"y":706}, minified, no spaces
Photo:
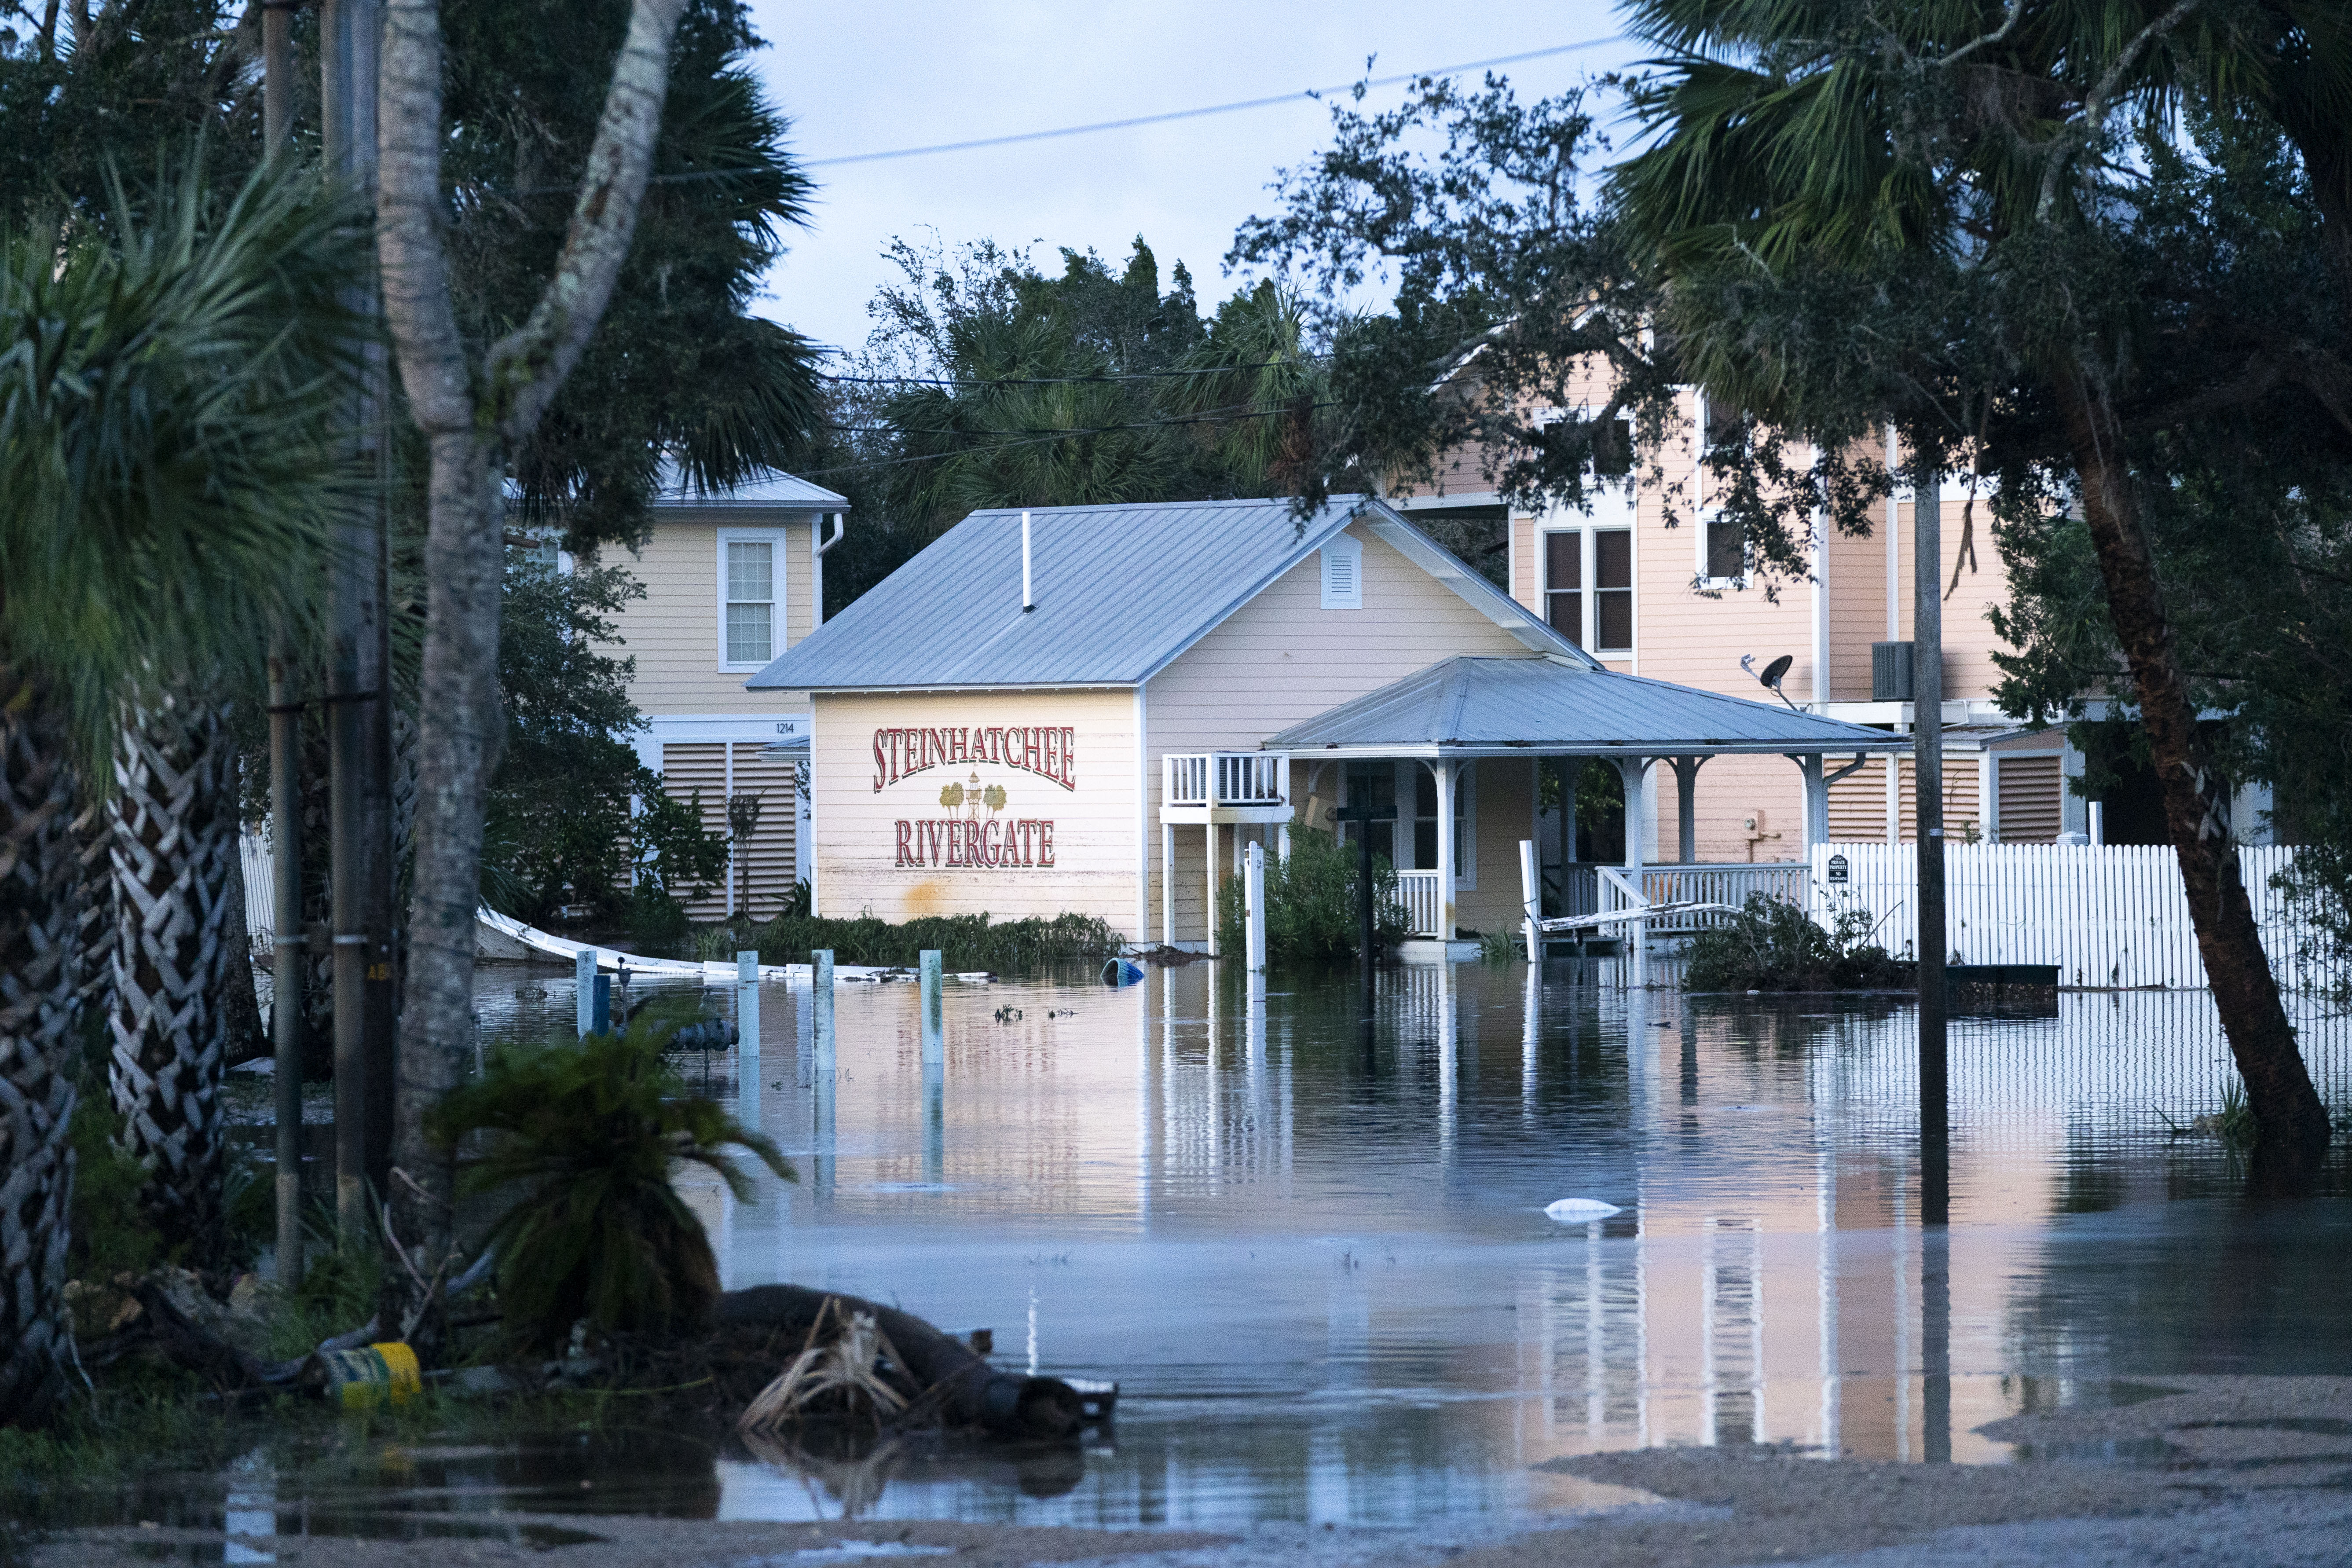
{"x":1417,"y":893}
{"x":1708,"y":883}
{"x":1227,"y":778}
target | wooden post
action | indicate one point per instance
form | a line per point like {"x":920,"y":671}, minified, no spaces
{"x":1168,"y":882}
{"x":1927,"y":749}
{"x":934,"y":1027}
{"x":1530,"y":901}
{"x":747,"y":1005}
{"x":1632,"y":770}
{"x":584,"y":980}
{"x":1253,"y":917}
{"x":1208,"y":881}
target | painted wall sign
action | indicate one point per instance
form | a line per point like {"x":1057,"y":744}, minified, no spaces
{"x":1047,"y":751}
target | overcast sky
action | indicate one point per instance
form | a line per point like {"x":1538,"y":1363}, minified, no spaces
{"x":871,"y":76}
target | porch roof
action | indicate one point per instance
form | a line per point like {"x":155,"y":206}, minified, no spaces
{"x":1473,"y":706}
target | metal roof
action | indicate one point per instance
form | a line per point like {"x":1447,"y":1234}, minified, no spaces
{"x":764,"y":488}
{"x":1120,"y":590}
{"x":1472,"y":706}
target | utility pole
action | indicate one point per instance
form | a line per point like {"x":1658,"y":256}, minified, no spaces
{"x":287,"y":960}
{"x":1927,"y":754}
{"x":359,"y":689}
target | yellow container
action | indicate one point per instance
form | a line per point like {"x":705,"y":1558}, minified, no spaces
{"x":379,"y":1374}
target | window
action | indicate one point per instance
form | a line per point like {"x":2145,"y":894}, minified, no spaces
{"x":1612,"y":589}
{"x":1612,"y":449}
{"x":1343,"y":574}
{"x":1373,"y":784}
{"x":1564,"y":585}
{"x":1727,"y":549}
{"x":748,"y":583}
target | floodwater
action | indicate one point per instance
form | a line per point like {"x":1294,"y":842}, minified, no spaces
{"x":1315,"y":1254}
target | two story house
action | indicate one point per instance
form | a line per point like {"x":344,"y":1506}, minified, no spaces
{"x":732,"y":579}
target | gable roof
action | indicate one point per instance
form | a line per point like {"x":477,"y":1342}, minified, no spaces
{"x":1474,"y":705}
{"x":1120,"y":590}
{"x":761,"y":488}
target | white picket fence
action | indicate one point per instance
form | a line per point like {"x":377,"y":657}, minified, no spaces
{"x":2107,"y":915}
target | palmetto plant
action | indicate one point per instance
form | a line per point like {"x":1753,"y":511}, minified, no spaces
{"x":169,"y":397}
{"x":582,"y":1141}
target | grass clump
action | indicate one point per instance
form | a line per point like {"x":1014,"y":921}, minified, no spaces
{"x":1773,"y":945}
{"x":581,"y":1142}
{"x":1312,"y":914}
{"x":966,"y":943}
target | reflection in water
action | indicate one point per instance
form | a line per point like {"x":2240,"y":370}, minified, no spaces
{"x":1311,"y":1245}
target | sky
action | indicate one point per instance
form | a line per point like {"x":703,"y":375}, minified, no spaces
{"x":871,"y":76}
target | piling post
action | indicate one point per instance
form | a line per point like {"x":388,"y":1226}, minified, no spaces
{"x":747,"y":1002}
{"x":584,"y":980}
{"x":934,"y":1044}
{"x":1530,"y":906}
{"x":821,"y":1007}
{"x":1254,"y":909}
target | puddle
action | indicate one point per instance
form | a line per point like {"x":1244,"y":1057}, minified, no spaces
{"x":1317,"y":1259}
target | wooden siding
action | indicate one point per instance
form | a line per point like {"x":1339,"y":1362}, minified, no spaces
{"x":1094,"y":823}
{"x":2031,"y":800}
{"x":1858,"y":805}
{"x":689,"y":767}
{"x":672,"y":631}
{"x":1282,"y":658}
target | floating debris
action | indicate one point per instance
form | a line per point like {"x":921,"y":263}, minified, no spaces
{"x":1580,"y":1211}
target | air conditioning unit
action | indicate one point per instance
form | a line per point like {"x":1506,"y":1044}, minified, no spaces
{"x":1890,"y":672}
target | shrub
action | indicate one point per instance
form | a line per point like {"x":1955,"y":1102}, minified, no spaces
{"x":583,"y":1137}
{"x":1773,"y":945}
{"x":964,"y":941}
{"x":1311,"y":910}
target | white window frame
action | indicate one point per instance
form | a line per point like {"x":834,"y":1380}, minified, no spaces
{"x":1583,"y":537}
{"x":1705,"y":521}
{"x":1703,"y":513}
{"x":1341,"y":547}
{"x":778,"y":638}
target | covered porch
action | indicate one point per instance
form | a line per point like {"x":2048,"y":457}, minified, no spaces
{"x":1467,"y":741}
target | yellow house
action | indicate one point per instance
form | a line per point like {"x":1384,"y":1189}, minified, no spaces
{"x":1094,"y":709}
{"x":732,"y":579}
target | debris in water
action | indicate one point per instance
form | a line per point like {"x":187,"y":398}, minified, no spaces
{"x":1580,"y":1211}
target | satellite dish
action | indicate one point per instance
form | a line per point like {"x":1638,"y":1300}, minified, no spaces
{"x":1775,"y":671}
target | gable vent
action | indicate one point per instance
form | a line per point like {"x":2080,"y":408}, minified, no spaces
{"x":1343,"y":574}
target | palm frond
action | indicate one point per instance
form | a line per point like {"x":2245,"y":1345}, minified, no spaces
{"x":175,"y":403}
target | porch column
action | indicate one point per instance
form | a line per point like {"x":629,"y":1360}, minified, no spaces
{"x":1168,"y":883}
{"x":1687,"y":804}
{"x":1817,"y":799}
{"x":1443,"y":768}
{"x":1209,"y":881}
{"x":1635,"y":771}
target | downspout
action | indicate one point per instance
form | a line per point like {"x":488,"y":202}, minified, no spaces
{"x":817,"y":547}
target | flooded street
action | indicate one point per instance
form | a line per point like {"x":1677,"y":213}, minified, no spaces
{"x":1317,"y":1259}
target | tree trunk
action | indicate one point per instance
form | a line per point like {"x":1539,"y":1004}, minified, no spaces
{"x":462,"y":733}
{"x":36,"y":1035}
{"x":174,"y":844}
{"x":2293,"y":1122}
{"x":471,"y":418}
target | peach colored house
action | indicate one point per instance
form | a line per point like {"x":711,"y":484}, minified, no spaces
{"x":1674,"y":603}
{"x":732,"y":579}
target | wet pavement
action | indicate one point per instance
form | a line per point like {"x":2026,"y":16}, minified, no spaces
{"x":1317,"y":1259}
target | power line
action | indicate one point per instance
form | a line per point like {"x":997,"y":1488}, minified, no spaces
{"x":760,"y":168}
{"x":1205,"y":109}
{"x":1211,"y":417}
{"x":1029,"y":440}
{"x":1064,"y":380}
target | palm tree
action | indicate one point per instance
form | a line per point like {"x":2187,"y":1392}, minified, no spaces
{"x":1946,"y":166}
{"x":169,"y":401}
